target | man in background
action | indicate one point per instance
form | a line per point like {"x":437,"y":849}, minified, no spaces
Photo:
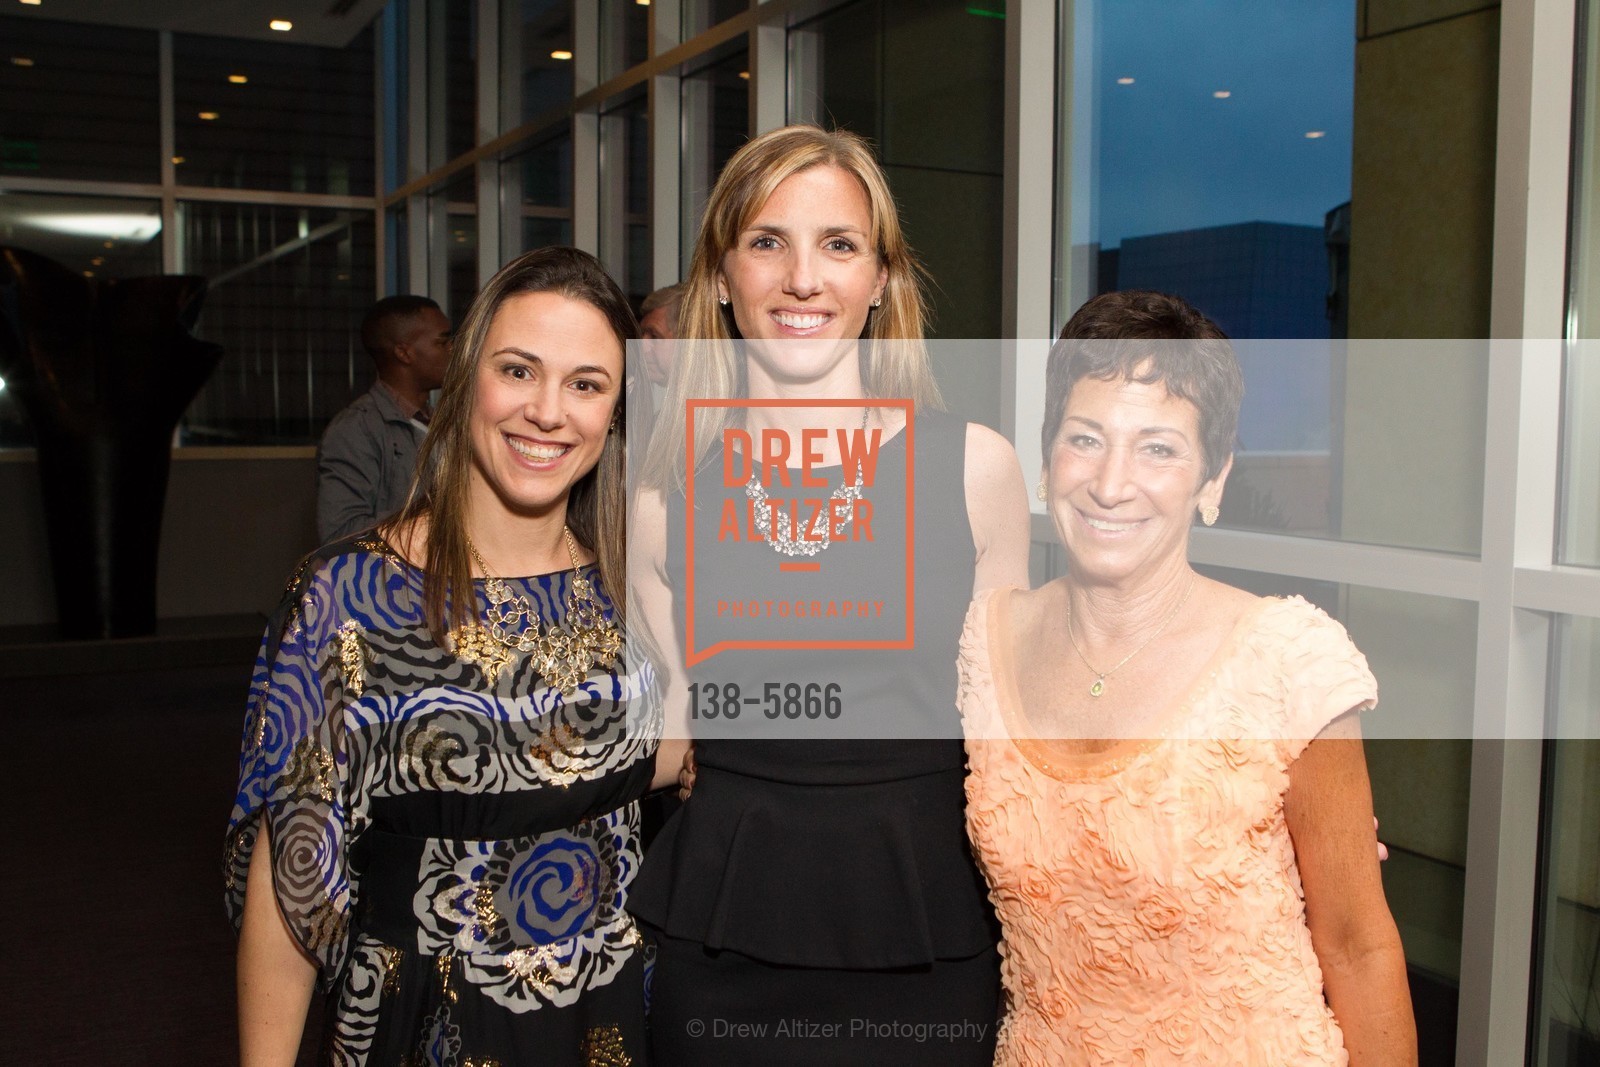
{"x":658,"y":321}
{"x":368,"y":455}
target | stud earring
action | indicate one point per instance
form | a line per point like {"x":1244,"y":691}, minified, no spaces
{"x":722,"y":300}
{"x":1042,"y":492}
{"x":877,"y":301}
{"x":1209,"y":513}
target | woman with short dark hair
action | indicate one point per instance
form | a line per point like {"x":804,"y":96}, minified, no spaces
{"x":1168,"y":793}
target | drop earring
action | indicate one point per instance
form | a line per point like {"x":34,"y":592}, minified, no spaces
{"x":1042,"y":492}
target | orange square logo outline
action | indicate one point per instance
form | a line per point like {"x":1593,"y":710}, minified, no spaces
{"x":690,"y":657}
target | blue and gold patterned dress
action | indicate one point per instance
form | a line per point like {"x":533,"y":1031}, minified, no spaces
{"x":452,"y":837}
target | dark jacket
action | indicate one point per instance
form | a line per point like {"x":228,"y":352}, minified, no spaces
{"x":365,"y":464}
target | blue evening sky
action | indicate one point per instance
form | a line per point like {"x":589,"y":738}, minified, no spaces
{"x":1173,"y":157}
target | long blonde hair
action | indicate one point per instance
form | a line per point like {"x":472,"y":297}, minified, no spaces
{"x":597,"y":504}
{"x":894,"y":358}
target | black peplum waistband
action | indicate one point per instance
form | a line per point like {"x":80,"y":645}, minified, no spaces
{"x":846,"y":876}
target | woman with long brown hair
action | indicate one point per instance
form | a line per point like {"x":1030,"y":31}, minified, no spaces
{"x":814,"y":900}
{"x":437,"y":814}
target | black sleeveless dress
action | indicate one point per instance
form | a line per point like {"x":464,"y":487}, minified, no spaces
{"x":815,"y":900}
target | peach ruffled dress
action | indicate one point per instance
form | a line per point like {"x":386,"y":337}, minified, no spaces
{"x":1151,"y":905}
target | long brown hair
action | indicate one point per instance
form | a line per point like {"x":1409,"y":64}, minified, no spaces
{"x":894,"y":359}
{"x":597,"y":504}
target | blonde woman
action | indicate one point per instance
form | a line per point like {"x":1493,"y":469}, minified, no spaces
{"x":436,"y":818}
{"x":814,"y":900}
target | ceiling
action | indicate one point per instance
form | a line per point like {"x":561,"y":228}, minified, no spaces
{"x":331,"y":23}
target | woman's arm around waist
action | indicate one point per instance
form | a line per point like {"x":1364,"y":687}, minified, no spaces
{"x":1329,"y":812}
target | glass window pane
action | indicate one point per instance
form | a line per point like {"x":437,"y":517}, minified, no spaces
{"x":301,"y":120}
{"x":99,"y":237}
{"x":1566,"y":1019}
{"x":880,"y":68}
{"x":1212,"y":154}
{"x":701,"y":15}
{"x":535,"y":58}
{"x":452,"y":79}
{"x":624,"y":36}
{"x":397,"y":277}
{"x":1579,"y":540}
{"x":540,"y":180}
{"x":715,"y":117}
{"x":395,"y":30}
{"x":1378,"y":442}
{"x":625,"y":196}
{"x":81,"y":101}
{"x":288,"y":287}
{"x":453,"y":245}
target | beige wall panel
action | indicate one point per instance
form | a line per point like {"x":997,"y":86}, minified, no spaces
{"x":1422,"y":180}
{"x":232,"y":531}
{"x":1420,"y":252}
{"x":1389,"y":16}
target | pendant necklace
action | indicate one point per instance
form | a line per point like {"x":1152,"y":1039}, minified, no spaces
{"x":785,"y":542}
{"x":1100,"y":676}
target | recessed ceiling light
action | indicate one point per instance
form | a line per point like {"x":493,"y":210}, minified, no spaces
{"x":561,"y":53}
{"x":208,"y":116}
{"x":33,"y":3}
{"x":109,"y":244}
{"x":21,"y":61}
{"x":642,"y":3}
{"x":745,"y":74}
{"x":97,"y":261}
{"x":1222,"y":94}
{"x":1314,"y":134}
{"x":281,"y":25}
{"x":1124,"y":81}
{"x":176,"y":160}
{"x":87,"y":273}
{"x":237,"y":79}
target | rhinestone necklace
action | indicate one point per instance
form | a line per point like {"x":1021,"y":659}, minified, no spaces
{"x":562,"y":652}
{"x":1100,"y":676}
{"x":786,"y":543}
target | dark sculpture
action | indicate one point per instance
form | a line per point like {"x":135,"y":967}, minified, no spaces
{"x":104,"y":370}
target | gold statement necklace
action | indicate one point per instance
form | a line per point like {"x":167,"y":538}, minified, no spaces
{"x":1100,"y":676}
{"x":563,"y":652}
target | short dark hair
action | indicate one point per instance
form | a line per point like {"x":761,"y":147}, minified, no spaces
{"x":1110,"y":338}
{"x":381,"y":325}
